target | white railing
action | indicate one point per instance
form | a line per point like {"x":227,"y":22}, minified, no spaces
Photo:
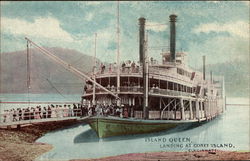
{"x":16,"y":116}
{"x":139,"y":114}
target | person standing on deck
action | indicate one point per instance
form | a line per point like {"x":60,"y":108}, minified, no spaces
{"x":110,"y":68}
{"x":121,"y":111}
{"x":74,"y":110}
{"x":133,"y":67}
{"x":123,"y":67}
{"x":125,"y":112}
{"x":65,"y":111}
{"x":70,"y":111}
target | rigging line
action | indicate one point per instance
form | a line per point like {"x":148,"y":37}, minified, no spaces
{"x":44,"y":77}
{"x":55,"y":88}
{"x":28,"y":71}
{"x":28,"y":66}
{"x":69,"y":67}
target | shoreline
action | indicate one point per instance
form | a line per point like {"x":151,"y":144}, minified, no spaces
{"x":20,"y":145}
{"x":168,"y":156}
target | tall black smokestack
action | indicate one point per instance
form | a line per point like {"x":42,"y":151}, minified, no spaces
{"x":172,"y":36}
{"x":141,"y":38}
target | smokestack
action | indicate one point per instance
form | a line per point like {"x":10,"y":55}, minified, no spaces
{"x":141,"y":38}
{"x":204,"y":69}
{"x":172,"y":36}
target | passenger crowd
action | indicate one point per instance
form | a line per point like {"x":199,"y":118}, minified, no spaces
{"x":60,"y":111}
{"x":126,"y":66}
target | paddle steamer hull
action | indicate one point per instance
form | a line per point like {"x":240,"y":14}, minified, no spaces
{"x":110,"y":126}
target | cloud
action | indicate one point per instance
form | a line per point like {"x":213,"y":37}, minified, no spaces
{"x":239,"y":28}
{"x":48,"y":28}
{"x":219,"y":49}
{"x":155,"y":26}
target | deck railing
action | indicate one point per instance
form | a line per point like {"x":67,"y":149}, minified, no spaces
{"x":16,"y":116}
{"x":138,"y":70}
{"x":140,"y":90}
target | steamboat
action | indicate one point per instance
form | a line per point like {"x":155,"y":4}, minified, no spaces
{"x":146,"y":97}
{"x":152,"y":96}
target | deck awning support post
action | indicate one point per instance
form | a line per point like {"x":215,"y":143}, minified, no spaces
{"x":197,"y":109}
{"x":182,"y":109}
{"x":94,"y":74}
{"x":191,"y":109}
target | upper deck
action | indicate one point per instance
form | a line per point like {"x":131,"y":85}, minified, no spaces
{"x":168,"y":79}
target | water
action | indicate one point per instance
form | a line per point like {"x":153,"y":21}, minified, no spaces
{"x":79,"y":141}
{"x":231,"y":130}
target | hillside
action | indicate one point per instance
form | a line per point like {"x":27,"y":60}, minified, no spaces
{"x":236,"y":74}
{"x":46,"y":76}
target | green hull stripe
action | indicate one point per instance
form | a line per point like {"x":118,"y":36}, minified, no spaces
{"x":110,"y":127}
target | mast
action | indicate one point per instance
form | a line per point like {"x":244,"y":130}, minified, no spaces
{"x":145,"y":79}
{"x":28,"y":66}
{"x":94,"y":72}
{"x":118,"y":51}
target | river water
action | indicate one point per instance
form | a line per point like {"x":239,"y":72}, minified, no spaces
{"x":230,"y":131}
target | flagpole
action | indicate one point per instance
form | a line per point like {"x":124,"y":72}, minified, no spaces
{"x":118,"y":51}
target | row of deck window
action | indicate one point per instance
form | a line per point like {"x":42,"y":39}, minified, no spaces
{"x":138,"y":82}
{"x":183,"y":72}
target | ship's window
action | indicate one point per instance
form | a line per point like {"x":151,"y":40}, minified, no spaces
{"x":175,"y":86}
{"x":170,"y":86}
{"x":163,"y":84}
{"x":194,"y":90}
{"x":113,"y":81}
{"x":133,"y":81}
{"x":141,"y":82}
{"x":105,"y":82}
{"x":124,"y":81}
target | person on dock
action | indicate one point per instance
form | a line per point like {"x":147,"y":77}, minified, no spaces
{"x":70,"y":111}
{"x":44,"y":112}
{"x":14,"y":115}
{"x":20,"y":114}
{"x":5,"y":115}
{"x":49,"y":111}
{"x":74,"y":110}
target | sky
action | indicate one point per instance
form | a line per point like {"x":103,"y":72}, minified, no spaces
{"x":219,"y":30}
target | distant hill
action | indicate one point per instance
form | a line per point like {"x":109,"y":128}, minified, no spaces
{"x":46,"y":75}
{"x":49,"y":77}
{"x":237,"y":77}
